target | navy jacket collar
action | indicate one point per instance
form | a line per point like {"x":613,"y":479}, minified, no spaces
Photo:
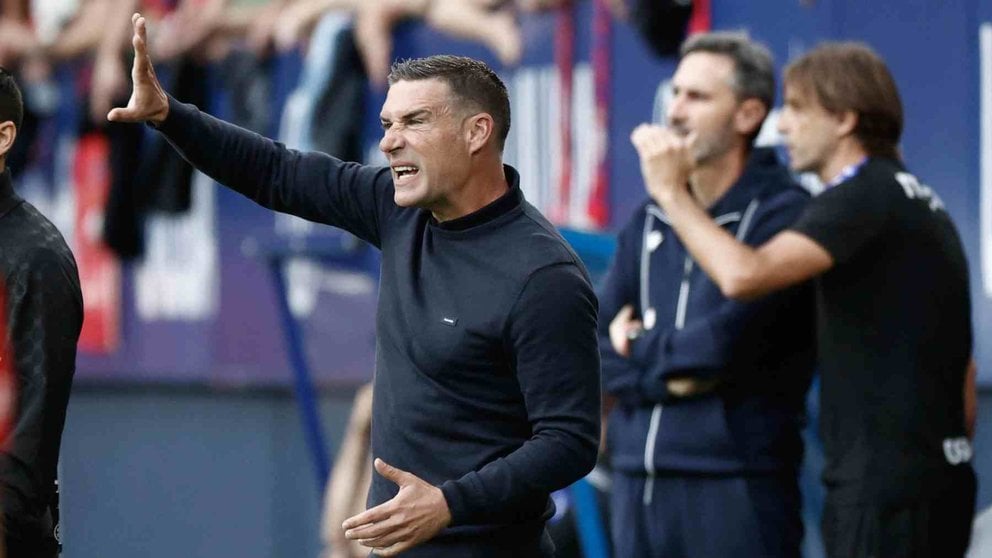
{"x":762,"y":172}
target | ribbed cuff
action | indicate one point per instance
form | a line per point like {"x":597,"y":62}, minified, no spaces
{"x":178,"y":112}
{"x":454,"y":493}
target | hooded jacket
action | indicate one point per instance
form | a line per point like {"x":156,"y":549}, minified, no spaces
{"x":762,"y":352}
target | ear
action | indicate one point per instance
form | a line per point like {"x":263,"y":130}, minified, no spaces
{"x":847,"y":121}
{"x":749,"y":116}
{"x":8,"y":133}
{"x":479,"y":131}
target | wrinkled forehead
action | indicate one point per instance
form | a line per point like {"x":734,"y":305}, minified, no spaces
{"x":406,"y":96}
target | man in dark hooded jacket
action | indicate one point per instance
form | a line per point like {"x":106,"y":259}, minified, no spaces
{"x":705,"y":433}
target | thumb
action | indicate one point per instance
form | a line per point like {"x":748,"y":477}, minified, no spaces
{"x":117,"y":115}
{"x":626,"y":312}
{"x":122,"y":114}
{"x":637,"y":136}
{"x":389,"y":472}
{"x":690,"y":142}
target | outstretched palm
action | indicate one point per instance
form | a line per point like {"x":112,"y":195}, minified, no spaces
{"x":148,"y":102}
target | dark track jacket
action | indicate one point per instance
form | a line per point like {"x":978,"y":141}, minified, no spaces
{"x":43,"y":315}
{"x":762,"y":351}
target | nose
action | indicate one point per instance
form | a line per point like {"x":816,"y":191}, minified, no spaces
{"x":783,"y":122}
{"x":675,"y":113}
{"x":391,"y":141}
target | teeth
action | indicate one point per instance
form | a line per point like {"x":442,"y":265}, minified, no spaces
{"x":405,"y":169}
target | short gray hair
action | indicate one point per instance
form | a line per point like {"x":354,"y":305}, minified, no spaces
{"x":754,"y":69}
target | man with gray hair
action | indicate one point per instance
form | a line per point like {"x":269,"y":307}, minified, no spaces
{"x":708,"y":393}
{"x":486,"y":392}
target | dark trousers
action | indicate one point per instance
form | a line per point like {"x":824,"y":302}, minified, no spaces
{"x":706,"y":517}
{"x":938,"y":527}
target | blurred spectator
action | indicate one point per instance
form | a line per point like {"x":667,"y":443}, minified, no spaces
{"x":298,"y":18}
{"x":490,"y":22}
{"x":16,"y":36}
{"x":239,"y":35}
{"x":662,"y":23}
{"x":138,"y":158}
{"x":31,"y":43}
{"x":349,"y":483}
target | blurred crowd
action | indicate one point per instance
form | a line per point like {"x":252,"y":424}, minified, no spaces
{"x":35,"y":35}
{"x":71,"y":58}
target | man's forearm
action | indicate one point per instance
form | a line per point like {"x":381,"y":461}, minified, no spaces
{"x":732,"y":265}
{"x":507,"y":488}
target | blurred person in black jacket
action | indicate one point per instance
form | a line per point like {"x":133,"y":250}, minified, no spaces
{"x":44,"y":315}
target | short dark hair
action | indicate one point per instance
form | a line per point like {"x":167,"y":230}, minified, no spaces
{"x":849,"y":76}
{"x":754,"y":68}
{"x":11,"y":102}
{"x":470,"y":80}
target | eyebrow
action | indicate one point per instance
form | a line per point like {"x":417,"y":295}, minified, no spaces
{"x":692,"y":89}
{"x":410,"y":115}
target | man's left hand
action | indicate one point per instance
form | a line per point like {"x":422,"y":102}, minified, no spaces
{"x":417,"y":513}
{"x":691,"y":387}
{"x":623,"y":328}
{"x":666,"y":160}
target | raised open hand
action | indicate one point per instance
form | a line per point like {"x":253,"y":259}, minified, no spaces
{"x":148,"y":102}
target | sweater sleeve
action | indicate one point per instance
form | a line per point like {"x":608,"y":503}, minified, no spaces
{"x":718,"y":339}
{"x":621,"y":376}
{"x":312,"y":185}
{"x":552,"y":333}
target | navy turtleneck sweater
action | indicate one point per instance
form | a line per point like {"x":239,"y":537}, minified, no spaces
{"x":487,"y":366}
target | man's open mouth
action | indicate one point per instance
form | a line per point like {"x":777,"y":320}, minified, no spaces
{"x":405,"y":170}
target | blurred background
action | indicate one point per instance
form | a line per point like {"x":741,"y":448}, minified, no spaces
{"x":223,"y":345}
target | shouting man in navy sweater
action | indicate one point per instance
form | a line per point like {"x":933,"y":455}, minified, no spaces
{"x":704,"y":437}
{"x":486,"y":391}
